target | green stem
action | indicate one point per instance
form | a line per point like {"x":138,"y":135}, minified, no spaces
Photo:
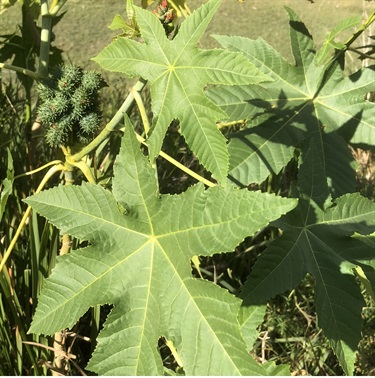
{"x":350,"y":41}
{"x":220,"y":281}
{"x":66,"y":243}
{"x":220,"y":125}
{"x":146,"y":126}
{"x":45,"y":40}
{"x":174,"y":352}
{"x":187,"y":170}
{"x":363,"y":27}
{"x":330,"y":65}
{"x":112,"y":124}
{"x":24,"y":71}
{"x":54,"y":162}
{"x":179,"y":165}
{"x":142,"y":111}
{"x":83,"y":167}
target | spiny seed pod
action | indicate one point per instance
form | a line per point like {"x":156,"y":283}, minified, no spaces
{"x":57,"y":137}
{"x":87,"y":122}
{"x":45,"y":92}
{"x":70,"y":105}
{"x":91,"y":81}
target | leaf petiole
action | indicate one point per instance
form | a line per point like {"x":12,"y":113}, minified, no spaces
{"x":179,"y":165}
{"x":54,"y":162}
{"x":22,"y":70}
{"x":142,"y":110}
{"x":173,"y":350}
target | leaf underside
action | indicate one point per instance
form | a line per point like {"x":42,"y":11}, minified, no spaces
{"x":140,"y":262}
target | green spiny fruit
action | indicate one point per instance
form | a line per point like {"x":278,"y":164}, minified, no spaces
{"x":70,"y":105}
{"x":87,"y":121}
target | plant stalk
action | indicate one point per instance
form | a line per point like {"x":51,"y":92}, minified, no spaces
{"x":45,"y":40}
{"x":56,"y":6}
{"x":22,"y":70}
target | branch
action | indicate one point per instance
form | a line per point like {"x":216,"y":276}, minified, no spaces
{"x":24,"y":71}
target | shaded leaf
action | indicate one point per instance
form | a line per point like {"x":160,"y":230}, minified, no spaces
{"x":313,"y":242}
{"x":312,"y":178}
{"x":302,"y":101}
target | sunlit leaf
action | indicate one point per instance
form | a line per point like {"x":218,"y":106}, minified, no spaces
{"x":177,"y":72}
{"x":140,"y":261}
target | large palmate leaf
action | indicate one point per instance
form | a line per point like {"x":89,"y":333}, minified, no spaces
{"x":139,"y":260}
{"x":178,"y":71}
{"x":319,"y":239}
{"x":304,"y":100}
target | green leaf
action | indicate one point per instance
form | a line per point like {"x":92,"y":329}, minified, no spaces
{"x":250,"y":317}
{"x":140,"y":261}
{"x":330,"y":43}
{"x":302,"y":101}
{"x":320,"y":242}
{"x":315,"y":179}
{"x":119,"y":23}
{"x":360,"y":252}
{"x":7,"y":185}
{"x":128,"y":28}
{"x":178,"y":71}
{"x":275,"y":370}
{"x":312,"y":178}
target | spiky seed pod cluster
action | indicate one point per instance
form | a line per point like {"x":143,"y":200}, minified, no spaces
{"x":70,"y":106}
